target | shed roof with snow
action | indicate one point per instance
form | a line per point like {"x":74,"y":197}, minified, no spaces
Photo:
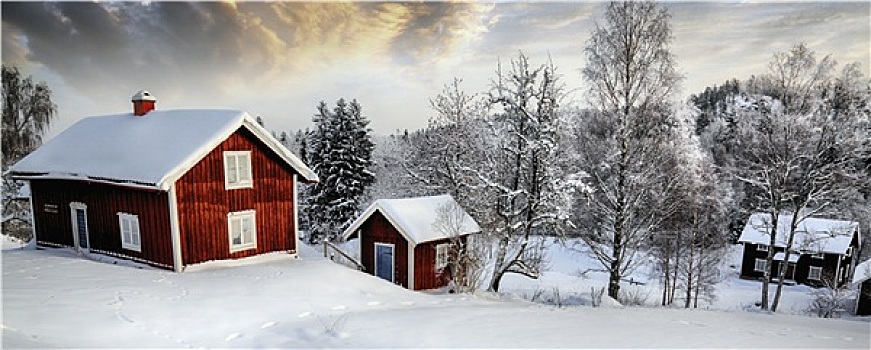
{"x":812,"y":234}
{"x":417,"y":219}
{"x":151,"y":151}
{"x":863,"y":272}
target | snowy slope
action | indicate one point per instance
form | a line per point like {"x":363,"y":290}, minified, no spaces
{"x":53,"y":298}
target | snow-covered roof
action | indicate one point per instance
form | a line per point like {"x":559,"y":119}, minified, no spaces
{"x":148,"y":151}
{"x":812,"y":234}
{"x":419,"y":219}
{"x":780,"y":255}
{"x":863,"y":272}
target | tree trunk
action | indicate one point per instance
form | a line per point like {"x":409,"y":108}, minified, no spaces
{"x":785,"y":265}
{"x":500,"y":265}
{"x":766,"y":276}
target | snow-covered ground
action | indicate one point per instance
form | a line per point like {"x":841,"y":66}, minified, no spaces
{"x":52,"y":298}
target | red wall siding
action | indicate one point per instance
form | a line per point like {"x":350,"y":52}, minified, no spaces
{"x":203,"y":203}
{"x":378,"y":229}
{"x":426,"y":276}
{"x":104,"y":203}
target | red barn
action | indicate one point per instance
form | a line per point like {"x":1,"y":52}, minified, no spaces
{"x":166,"y":188}
{"x":407,"y":241}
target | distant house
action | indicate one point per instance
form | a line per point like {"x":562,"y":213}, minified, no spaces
{"x":402,"y":240}
{"x":166,"y":188}
{"x":823,"y":249}
{"x":862,"y":279}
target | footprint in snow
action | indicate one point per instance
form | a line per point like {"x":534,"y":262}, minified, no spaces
{"x":233,"y":336}
{"x":268,"y":324}
{"x":339,"y":307}
{"x":304,"y":314}
{"x":374,"y":303}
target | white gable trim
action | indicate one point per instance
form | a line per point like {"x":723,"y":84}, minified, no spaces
{"x":368,"y":213}
{"x":258,"y":131}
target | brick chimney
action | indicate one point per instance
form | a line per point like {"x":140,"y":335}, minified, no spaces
{"x":143,"y":102}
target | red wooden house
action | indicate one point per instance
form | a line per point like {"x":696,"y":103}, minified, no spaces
{"x":166,"y":188}
{"x":403,"y":240}
{"x":823,"y":250}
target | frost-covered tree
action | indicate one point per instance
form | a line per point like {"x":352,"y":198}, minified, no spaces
{"x":532,"y":198}
{"x":799,"y":157}
{"x":27,"y":114}
{"x":502,"y":166}
{"x":340,"y":152}
{"x":631,"y":74}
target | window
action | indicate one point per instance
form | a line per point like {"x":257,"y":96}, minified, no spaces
{"x":442,"y":255}
{"x":237,"y":169}
{"x":243,"y":230}
{"x":130,"y":237}
{"x":761,"y":247}
{"x":818,"y":256}
{"x":815,"y":273}
{"x":760,"y":266}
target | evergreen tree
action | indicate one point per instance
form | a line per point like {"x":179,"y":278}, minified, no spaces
{"x":340,"y":152}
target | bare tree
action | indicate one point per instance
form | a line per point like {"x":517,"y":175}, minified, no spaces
{"x":799,"y":159}
{"x":467,"y":254}
{"x":632,"y":76}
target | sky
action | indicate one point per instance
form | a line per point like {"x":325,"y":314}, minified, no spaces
{"x":278,"y":60}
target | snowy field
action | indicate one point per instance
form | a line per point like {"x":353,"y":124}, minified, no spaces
{"x":52,"y":298}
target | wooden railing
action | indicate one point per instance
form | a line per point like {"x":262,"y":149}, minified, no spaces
{"x":332,"y":257}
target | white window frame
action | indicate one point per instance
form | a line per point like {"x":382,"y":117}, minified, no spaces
{"x":240,"y":216}
{"x":756,"y":265}
{"x":819,"y":273}
{"x":134,"y":242}
{"x":818,"y":255}
{"x":441,"y":256}
{"x":761,"y":248}
{"x":232,"y":158}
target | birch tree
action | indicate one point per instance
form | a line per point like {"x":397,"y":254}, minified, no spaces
{"x":801,"y":159}
{"x":27,"y":114}
{"x":631,"y":73}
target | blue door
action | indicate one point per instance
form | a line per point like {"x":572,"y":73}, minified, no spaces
{"x":384,"y":261}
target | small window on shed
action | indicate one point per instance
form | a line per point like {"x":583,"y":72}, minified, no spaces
{"x":815,"y":273}
{"x":243,"y":230}
{"x":818,"y":256}
{"x":237,"y":169}
{"x":760,"y":265}
{"x":130,"y":236}
{"x":442,"y":255}
{"x":762,"y":247}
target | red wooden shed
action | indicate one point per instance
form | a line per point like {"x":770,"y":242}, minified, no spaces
{"x":406,"y":241}
{"x":166,"y":188}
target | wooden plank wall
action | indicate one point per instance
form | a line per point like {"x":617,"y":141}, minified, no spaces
{"x":54,"y":227}
{"x":426,"y":276}
{"x":378,"y":229}
{"x":204,"y":202}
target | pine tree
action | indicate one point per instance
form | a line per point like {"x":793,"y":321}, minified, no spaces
{"x":340,"y":152}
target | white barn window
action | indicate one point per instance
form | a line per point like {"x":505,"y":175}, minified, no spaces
{"x":815,"y":273}
{"x":441,"y":258}
{"x":243,"y":230}
{"x":762,"y":248}
{"x":760,"y":265}
{"x":130,"y":236}
{"x":237,"y":169}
